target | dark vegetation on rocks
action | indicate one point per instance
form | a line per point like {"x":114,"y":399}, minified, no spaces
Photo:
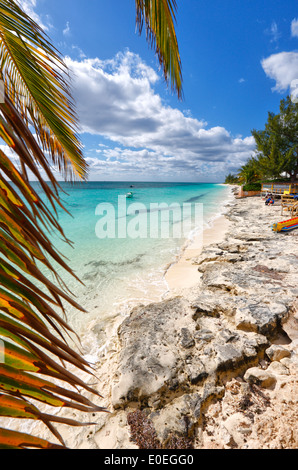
{"x":144,"y":435}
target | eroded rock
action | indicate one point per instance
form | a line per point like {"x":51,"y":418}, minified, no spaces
{"x":178,"y":356}
{"x":277,"y":352}
{"x":263,"y":378}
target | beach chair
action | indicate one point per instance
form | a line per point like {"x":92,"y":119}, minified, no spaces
{"x":287,"y":201}
{"x":294,"y":209}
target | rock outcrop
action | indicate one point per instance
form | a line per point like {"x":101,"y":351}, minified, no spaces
{"x":215,"y":367}
{"x":181,"y":359}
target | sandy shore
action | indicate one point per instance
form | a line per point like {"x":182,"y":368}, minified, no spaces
{"x":184,"y":274}
{"x":202,"y":356}
{"x":245,"y":276}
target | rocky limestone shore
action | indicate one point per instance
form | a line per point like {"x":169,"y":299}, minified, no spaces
{"x":215,"y":367}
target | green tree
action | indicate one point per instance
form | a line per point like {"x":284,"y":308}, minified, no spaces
{"x":231,"y":179}
{"x":277,"y":144}
{"x":32,"y":332}
{"x":274,"y":164}
{"x":249,"y":172}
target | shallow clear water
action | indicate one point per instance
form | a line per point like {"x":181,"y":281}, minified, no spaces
{"x":119,"y":273}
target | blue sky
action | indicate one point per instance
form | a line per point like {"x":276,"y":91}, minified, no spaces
{"x":239,"y":59}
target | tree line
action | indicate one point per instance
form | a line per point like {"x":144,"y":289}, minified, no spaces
{"x":276,"y":154}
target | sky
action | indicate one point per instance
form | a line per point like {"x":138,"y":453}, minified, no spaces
{"x":239,"y":59}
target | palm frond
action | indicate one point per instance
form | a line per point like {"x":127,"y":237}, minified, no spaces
{"x":159,"y":18}
{"x":36,"y":354}
{"x":36,"y":82}
{"x":32,"y":332}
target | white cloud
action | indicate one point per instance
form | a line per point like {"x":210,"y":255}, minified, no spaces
{"x":273,"y":32}
{"x":29,"y":7}
{"x":10,"y":153}
{"x":152,"y":163}
{"x":283,"y":68}
{"x":116,"y":99}
{"x":81,"y":54}
{"x":66,"y":30}
{"x":294,"y":28}
{"x":147,"y":140}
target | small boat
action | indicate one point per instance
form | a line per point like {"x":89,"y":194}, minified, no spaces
{"x":129,"y":195}
{"x":286,"y":225}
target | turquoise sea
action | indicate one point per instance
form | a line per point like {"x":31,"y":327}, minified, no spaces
{"x":118,"y":273}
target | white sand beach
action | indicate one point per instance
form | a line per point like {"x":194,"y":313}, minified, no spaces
{"x":184,"y":274}
{"x":256,"y":403}
{"x":216,"y":361}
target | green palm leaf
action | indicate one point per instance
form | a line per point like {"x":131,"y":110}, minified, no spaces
{"x":18,"y":440}
{"x":159,"y":18}
{"x":32,"y":330}
{"x":35,"y":79}
{"x":23,"y":409}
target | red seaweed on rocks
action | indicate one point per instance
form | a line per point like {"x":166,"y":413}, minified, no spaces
{"x":144,"y":435}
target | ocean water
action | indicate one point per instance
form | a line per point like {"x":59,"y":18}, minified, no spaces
{"x":127,"y":267}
